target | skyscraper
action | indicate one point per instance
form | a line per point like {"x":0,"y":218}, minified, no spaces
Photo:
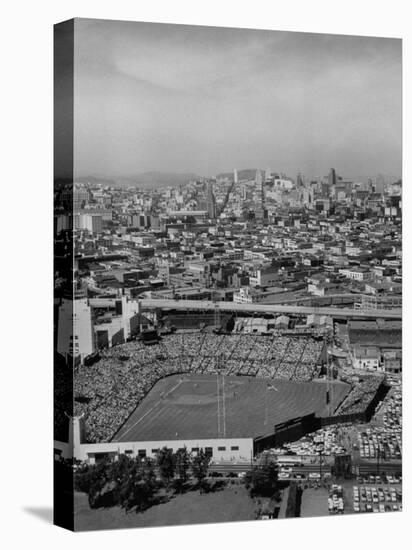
{"x":260,"y":202}
{"x":235,"y":176}
{"x":258,"y":180}
{"x":380,"y":184}
{"x":332,"y":178}
{"x":211,"y":201}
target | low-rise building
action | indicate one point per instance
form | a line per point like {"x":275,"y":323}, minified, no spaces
{"x":367,"y":357}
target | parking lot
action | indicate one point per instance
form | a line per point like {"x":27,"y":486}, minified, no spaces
{"x":368,"y":494}
{"x":375,"y":494}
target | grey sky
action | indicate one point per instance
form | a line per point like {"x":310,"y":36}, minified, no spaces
{"x":202,"y":99}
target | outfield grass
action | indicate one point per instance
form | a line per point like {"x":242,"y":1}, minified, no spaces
{"x":231,"y":504}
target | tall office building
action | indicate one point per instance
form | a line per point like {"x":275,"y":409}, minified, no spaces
{"x":211,"y":201}
{"x":260,"y":202}
{"x":332,"y":178}
{"x":235,"y":176}
{"x":258,"y":180}
{"x":380,"y":184}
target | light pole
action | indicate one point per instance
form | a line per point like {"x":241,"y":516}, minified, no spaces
{"x":329,"y":378}
{"x":378,"y":456}
{"x":320,"y":449}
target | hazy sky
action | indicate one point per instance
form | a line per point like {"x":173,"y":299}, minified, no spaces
{"x":205,"y":100}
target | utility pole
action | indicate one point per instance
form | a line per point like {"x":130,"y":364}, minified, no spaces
{"x":218,"y":404}
{"x":224,"y":405}
{"x":221,"y":395}
{"x":330,"y":383}
{"x":320,"y":451}
{"x":378,"y":456}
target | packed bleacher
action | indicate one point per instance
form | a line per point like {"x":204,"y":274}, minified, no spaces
{"x":360,"y":396}
{"x":108,"y":391}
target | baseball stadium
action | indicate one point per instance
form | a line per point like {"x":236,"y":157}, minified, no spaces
{"x":199,"y":389}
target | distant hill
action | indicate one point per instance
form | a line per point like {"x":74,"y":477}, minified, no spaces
{"x":96,"y":179}
{"x":153,"y":179}
{"x":156,"y":179}
{"x":246,"y":174}
{"x":149,"y":180}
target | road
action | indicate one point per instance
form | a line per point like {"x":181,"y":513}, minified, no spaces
{"x":372,"y":467}
{"x":236,"y":467}
{"x":335,"y":312}
{"x":364,"y":468}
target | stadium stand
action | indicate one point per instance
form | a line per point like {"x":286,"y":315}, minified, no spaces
{"x":110,"y":389}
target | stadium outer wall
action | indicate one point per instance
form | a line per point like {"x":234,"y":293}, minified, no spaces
{"x":220,"y":449}
{"x":242,"y":449}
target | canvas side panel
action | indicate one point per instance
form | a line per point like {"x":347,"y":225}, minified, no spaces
{"x":63,"y":271}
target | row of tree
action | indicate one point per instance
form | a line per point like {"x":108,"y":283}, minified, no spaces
{"x":140,"y":482}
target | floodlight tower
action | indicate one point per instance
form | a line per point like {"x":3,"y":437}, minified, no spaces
{"x":329,"y":377}
{"x":218,"y":403}
{"x":224,"y":405}
{"x":221,"y":400}
{"x":329,"y":385}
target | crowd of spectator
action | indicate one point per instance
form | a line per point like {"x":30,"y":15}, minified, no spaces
{"x":360,"y":396}
{"x":108,"y":391}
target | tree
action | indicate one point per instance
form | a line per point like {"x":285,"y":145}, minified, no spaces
{"x":100,"y":481}
{"x":130,"y":483}
{"x":120,"y":468}
{"x":182,"y":462}
{"x":92,"y":478}
{"x":262,"y":480}
{"x":200,"y":465}
{"x":166,"y":464}
{"x":138,"y":490}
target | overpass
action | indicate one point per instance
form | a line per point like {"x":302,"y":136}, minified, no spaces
{"x":232,"y":307}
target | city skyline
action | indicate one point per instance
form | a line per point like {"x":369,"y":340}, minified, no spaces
{"x":186,"y":176}
{"x":177,"y":98}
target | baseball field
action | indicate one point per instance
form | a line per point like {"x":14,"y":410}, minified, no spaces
{"x":186,"y":407}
